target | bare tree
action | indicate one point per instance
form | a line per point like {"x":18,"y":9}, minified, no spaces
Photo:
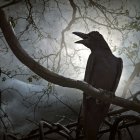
{"x":81,"y":13}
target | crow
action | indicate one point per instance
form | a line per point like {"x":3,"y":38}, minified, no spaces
{"x":103,"y":71}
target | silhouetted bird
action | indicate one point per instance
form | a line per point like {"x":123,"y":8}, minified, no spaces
{"x":103,"y":71}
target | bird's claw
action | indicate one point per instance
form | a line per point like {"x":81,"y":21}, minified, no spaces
{"x":106,"y":93}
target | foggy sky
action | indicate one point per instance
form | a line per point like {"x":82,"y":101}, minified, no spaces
{"x":51,"y":23}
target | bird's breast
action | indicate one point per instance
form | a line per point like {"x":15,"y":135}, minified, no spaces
{"x":103,"y":72}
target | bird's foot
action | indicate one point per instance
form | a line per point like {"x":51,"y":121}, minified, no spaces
{"x":106,"y":93}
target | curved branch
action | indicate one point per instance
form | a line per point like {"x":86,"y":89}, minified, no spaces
{"x":10,"y":4}
{"x":46,"y":74}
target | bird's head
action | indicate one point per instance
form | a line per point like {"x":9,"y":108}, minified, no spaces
{"x":93,"y":40}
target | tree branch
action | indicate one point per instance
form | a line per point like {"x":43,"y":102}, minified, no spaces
{"x":11,"y":3}
{"x":46,"y":74}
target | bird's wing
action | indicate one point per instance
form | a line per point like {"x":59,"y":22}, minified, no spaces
{"x":88,"y":78}
{"x":119,"y":71}
{"x":90,"y":68}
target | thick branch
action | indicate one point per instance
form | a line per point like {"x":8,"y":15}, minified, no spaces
{"x":46,"y":74}
{"x":10,"y":4}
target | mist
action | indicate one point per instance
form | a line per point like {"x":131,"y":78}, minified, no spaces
{"x":47,"y":36}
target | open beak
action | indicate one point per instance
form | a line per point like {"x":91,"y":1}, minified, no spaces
{"x":82,"y":35}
